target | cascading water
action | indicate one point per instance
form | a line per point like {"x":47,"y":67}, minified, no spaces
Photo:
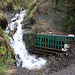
{"x":23,"y":58}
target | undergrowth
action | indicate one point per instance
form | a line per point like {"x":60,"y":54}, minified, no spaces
{"x":6,"y":56}
{"x":9,"y":5}
{"x":67,"y":7}
{"x":32,"y":8}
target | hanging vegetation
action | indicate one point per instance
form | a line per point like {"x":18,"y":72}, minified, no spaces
{"x":9,"y":5}
{"x":32,"y":8}
{"x":6,"y":55}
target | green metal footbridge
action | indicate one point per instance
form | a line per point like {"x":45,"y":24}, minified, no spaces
{"x":54,"y":41}
{"x":48,"y":43}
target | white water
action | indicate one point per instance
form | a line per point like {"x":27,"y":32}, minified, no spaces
{"x":26,"y":60}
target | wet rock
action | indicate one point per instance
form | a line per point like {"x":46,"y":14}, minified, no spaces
{"x":18,"y":60}
{"x":3,"y":20}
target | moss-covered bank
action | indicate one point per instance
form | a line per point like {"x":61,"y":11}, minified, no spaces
{"x":29,"y":39}
{"x":6,"y":54}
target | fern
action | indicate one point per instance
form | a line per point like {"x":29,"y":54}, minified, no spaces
{"x":5,"y":35}
{"x":30,"y":12}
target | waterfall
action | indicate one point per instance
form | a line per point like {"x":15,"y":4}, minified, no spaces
{"x":21,"y":54}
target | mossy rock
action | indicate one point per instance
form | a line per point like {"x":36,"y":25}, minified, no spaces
{"x":29,"y":39}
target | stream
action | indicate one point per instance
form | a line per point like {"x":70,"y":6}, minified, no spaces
{"x":23,"y":59}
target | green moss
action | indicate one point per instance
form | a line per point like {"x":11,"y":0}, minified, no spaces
{"x":30,"y":39}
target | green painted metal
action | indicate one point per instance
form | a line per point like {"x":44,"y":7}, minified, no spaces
{"x":54,"y":41}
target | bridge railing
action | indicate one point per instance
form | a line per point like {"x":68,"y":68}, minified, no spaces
{"x":54,"y":41}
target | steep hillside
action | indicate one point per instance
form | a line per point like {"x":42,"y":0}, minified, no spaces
{"x":59,"y":14}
